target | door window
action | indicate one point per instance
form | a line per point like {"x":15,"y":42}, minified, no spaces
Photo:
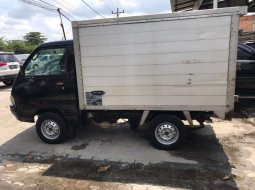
{"x":47,"y":62}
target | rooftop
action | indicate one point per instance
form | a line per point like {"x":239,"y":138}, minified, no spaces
{"x":188,"y":5}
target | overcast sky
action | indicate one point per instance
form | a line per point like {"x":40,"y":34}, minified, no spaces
{"x":18,"y":18}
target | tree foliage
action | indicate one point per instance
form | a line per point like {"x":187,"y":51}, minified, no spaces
{"x":2,"y":43}
{"x":19,"y":47}
{"x":31,"y":40}
{"x":34,"y":38}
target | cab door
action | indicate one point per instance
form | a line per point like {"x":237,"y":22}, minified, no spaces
{"x":47,"y":84}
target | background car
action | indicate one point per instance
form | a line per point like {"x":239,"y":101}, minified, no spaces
{"x":245,"y":75}
{"x":250,"y":43}
{"x":22,"y":57}
{"x":9,"y":67}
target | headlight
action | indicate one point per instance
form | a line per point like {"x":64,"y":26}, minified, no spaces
{"x":12,"y":100}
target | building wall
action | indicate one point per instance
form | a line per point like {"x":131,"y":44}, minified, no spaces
{"x":247,"y":23}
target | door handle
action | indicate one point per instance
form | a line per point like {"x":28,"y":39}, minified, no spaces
{"x":60,"y":83}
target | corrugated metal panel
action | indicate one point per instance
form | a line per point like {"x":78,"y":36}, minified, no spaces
{"x":146,"y":72}
{"x":158,"y":60}
{"x":181,"y":5}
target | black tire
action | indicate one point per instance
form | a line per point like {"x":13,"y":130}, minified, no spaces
{"x":174,"y":125}
{"x":62,"y":133}
{"x":8,"y":82}
{"x":133,"y":123}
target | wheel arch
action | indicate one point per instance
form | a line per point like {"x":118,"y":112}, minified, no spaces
{"x":69,"y":118}
{"x":154,"y":114}
{"x":53,"y":110}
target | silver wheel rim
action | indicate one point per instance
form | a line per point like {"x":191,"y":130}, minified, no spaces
{"x":50,"y":129}
{"x":166,"y":133}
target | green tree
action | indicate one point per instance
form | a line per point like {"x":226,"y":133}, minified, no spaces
{"x":2,"y":44}
{"x":34,"y":38}
{"x":18,"y":47}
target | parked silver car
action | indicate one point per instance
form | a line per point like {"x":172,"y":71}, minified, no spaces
{"x":9,"y":67}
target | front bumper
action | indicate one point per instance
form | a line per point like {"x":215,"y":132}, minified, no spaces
{"x":14,"y":111}
{"x":19,"y":117}
{"x":8,"y":77}
{"x":9,"y":72}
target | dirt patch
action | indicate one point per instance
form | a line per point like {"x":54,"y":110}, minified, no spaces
{"x":79,"y":147}
{"x":250,"y":135}
{"x":166,"y":174}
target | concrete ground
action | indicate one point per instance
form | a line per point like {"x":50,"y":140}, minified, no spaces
{"x":219,"y":156}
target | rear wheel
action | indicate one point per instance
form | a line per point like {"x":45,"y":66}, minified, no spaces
{"x":167,"y":132}
{"x":8,"y":82}
{"x":51,"y":128}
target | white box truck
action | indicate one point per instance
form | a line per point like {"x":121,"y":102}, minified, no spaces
{"x":155,"y":69}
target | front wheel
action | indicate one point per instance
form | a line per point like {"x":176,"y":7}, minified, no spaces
{"x":51,"y":128}
{"x":167,"y":132}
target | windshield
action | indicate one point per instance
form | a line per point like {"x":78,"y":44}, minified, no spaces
{"x":8,"y":58}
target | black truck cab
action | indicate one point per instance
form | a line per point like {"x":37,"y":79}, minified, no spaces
{"x":46,"y":84}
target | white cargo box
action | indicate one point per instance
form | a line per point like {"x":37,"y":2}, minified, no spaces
{"x":180,"y":61}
